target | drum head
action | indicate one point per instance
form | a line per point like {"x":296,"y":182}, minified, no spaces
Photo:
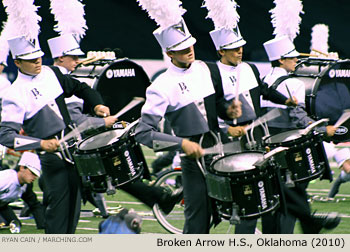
{"x":329,"y":94}
{"x":332,"y":94}
{"x":101,"y":140}
{"x":237,"y":162}
{"x":119,"y":83}
{"x":284,"y":137}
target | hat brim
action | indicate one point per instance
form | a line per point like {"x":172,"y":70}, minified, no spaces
{"x":240,"y":43}
{"x":31,"y":56}
{"x":186,"y":44}
{"x":35,"y":171}
{"x":75,"y":52}
{"x":293,"y":54}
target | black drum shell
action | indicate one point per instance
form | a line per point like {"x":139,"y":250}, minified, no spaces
{"x":255,"y":191}
{"x":118,"y":82}
{"x":327,"y":91}
{"x":121,"y":160}
{"x":305,"y":158}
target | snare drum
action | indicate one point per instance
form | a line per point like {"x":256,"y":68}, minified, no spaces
{"x":112,"y":155}
{"x":327,"y":90}
{"x":236,"y":184}
{"x":118,"y":82}
{"x":305,"y":159}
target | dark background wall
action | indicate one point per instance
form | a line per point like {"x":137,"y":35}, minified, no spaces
{"x":123,"y":24}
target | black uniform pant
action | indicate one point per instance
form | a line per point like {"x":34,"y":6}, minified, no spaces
{"x":35,"y":207}
{"x":149,"y":195}
{"x":61,"y":186}
{"x":297,"y":208}
{"x":7,"y":214}
{"x":197,"y":203}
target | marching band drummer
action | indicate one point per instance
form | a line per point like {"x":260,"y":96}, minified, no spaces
{"x":185,"y":95}
{"x":64,"y":50}
{"x":34,"y":102}
{"x":283,"y":57}
{"x":229,"y":46}
{"x":238,"y":79}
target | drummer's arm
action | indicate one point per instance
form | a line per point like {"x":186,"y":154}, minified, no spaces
{"x":12,"y":114}
{"x":90,"y":96}
{"x":272,"y":94}
{"x":147,"y":133}
{"x":299,"y":116}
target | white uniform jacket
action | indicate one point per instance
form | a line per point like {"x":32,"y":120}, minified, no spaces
{"x":187,"y":98}
{"x":31,"y":103}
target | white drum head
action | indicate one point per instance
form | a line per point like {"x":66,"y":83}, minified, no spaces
{"x":238,"y":162}
{"x":101,"y":140}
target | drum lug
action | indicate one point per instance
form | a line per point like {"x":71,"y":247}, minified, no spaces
{"x":289,"y":181}
{"x":110,"y":188}
{"x":235,"y":219}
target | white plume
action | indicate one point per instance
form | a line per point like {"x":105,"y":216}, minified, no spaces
{"x":223,"y":13}
{"x":319,"y":38}
{"x":22,"y":18}
{"x":285,"y":17}
{"x":165,"y":12}
{"x":4,"y":51}
{"x":69,"y":15}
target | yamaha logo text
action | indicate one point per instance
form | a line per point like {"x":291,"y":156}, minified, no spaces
{"x":130,"y":164}
{"x":339,"y":73}
{"x":311,"y":160}
{"x":262,"y":194}
{"x":341,"y":130}
{"x":118,"y":73}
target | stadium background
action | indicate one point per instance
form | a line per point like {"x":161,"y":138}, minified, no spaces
{"x":123,"y":24}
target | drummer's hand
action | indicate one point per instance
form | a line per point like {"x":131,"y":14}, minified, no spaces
{"x":192,"y":149}
{"x":290,"y":102}
{"x":50,"y":145}
{"x":234,"y":110}
{"x":236,"y":131}
{"x":102,"y":110}
{"x":109,"y":121}
{"x":331,"y":130}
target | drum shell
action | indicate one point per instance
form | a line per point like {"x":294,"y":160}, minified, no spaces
{"x":122,"y":160}
{"x":255,"y":191}
{"x":327,"y":90}
{"x":118,"y":82}
{"x":305,"y":157}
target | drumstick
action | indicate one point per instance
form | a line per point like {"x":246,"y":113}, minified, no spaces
{"x":308,"y":55}
{"x":85,"y":60}
{"x":315,"y":50}
{"x":345,"y":116}
{"x":135,"y":101}
{"x":93,"y":60}
{"x":267,"y":117}
{"x":87,"y":124}
{"x":290,"y":95}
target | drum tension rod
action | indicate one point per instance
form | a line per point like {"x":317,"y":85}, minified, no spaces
{"x":235,"y":219}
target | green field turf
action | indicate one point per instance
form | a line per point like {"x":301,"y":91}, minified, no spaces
{"x":89,"y":223}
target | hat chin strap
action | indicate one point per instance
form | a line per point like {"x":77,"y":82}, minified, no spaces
{"x":284,"y":55}
{"x":26,"y":54}
{"x":177,"y":44}
{"x":223,"y":46}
